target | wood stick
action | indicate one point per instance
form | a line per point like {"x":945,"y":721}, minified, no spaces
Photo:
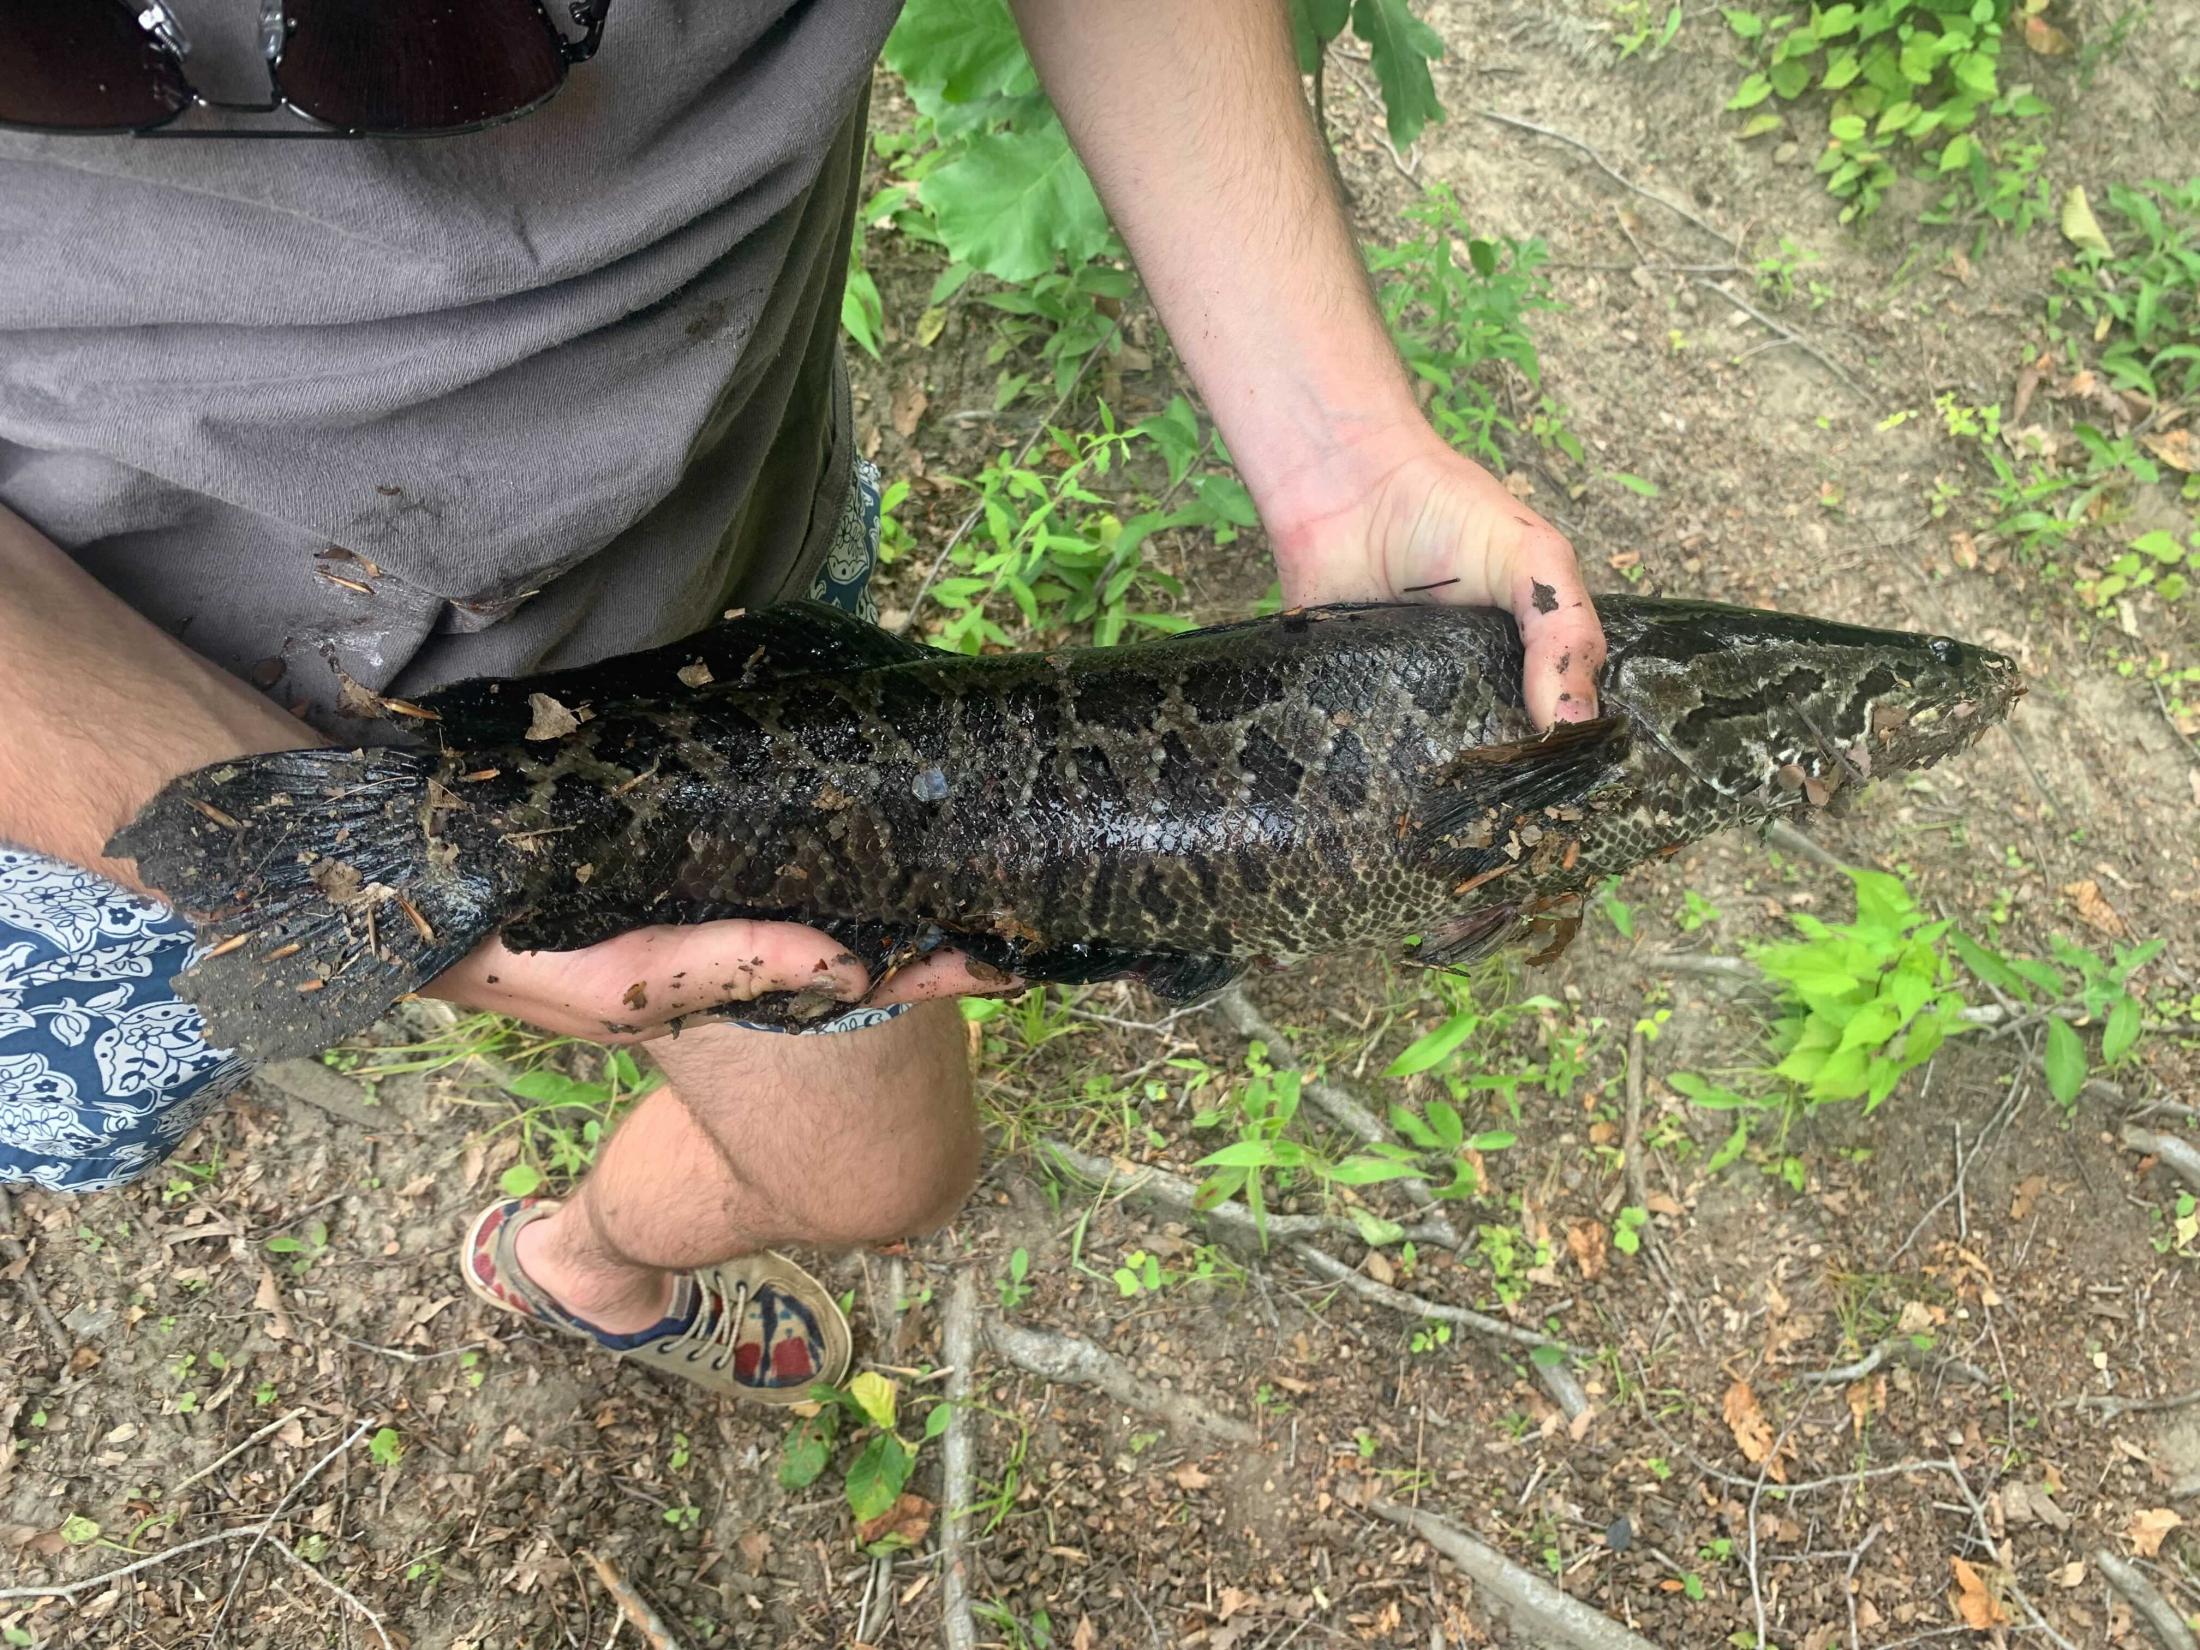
{"x":1538,"y":1611}
{"x":640,"y":1616}
{"x":958,"y":1468}
{"x":1077,"y":1362}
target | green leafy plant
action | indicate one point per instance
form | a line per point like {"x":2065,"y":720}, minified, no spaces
{"x":1400,"y":47}
{"x":2141,"y":304}
{"x":1013,"y":1288}
{"x":862,"y":1416}
{"x":303,"y":1248}
{"x":1906,"y":77}
{"x":1863,"y":1002}
{"x":2100,"y":987}
{"x":1456,"y":303}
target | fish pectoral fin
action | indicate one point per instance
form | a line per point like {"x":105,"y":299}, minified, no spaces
{"x":1467,"y":937}
{"x":1486,"y":792}
{"x":746,"y":648}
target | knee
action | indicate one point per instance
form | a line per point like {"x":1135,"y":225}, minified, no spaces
{"x":877,"y":1143}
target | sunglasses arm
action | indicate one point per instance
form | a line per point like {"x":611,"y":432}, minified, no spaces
{"x":588,"y":16}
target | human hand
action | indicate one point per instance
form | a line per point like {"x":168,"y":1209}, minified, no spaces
{"x":635,"y":987}
{"x":1408,"y":519}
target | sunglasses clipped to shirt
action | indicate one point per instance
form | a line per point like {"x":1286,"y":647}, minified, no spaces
{"x":353,"y":68}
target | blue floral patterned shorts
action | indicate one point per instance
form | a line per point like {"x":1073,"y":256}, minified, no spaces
{"x":103,"y":1068}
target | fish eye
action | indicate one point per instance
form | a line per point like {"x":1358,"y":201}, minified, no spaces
{"x":1943,"y":649}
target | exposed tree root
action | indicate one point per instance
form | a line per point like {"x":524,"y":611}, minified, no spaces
{"x":2146,"y":1603}
{"x":1416,"y":1306}
{"x":640,"y":1616}
{"x":1539,"y":1611}
{"x":958,"y":1468}
{"x":1077,"y":1362}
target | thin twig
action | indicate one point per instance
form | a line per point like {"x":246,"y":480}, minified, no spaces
{"x":222,"y":1460}
{"x":1848,"y":1582}
{"x":962,"y":528}
{"x":2149,"y":1605}
{"x":20,"y":1257}
{"x":69,"y":1589}
{"x":1612,"y":172}
{"x":1417,"y":1306}
{"x":229,"y":1597}
{"x":1538,"y":1609}
{"x":1169,"y":1191}
{"x":1789,"y":840}
{"x":2003,"y":1116}
{"x":643,"y":1618}
{"x":1902,"y":1350}
{"x":958,"y":1464}
{"x":404,"y":1356}
{"x":2112,"y":1407}
{"x":260,"y":1532}
{"x":1797,"y":339}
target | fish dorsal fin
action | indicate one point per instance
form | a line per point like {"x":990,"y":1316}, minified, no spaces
{"x":746,"y":648}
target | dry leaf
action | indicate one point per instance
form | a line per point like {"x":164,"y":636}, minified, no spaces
{"x":551,"y":719}
{"x":908,"y":1518}
{"x":1189,"y":1477}
{"x":2093,"y":908}
{"x":2027,"y":1194}
{"x":1379,"y":1268}
{"x":1086,"y":1637}
{"x":2176,"y":449}
{"x":1976,"y":1608}
{"x":1963,"y":550}
{"x":2043,"y":39}
{"x":908,"y":406}
{"x":268,"y":1298}
{"x":1591,"y":1246}
{"x":2024,"y":1504}
{"x":1750,"y":1428}
{"x":2080,"y":227}
{"x":2149,"y":1527}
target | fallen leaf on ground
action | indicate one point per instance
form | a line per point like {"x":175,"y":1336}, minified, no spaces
{"x":2025,"y":1504}
{"x":2176,"y":449}
{"x":1976,"y":1608}
{"x":1189,"y":1477}
{"x":1750,"y":1428}
{"x":549,"y":719}
{"x":2149,"y":1527}
{"x":2093,"y":908}
{"x":1379,"y":1268}
{"x":1590,"y":1244}
{"x":2043,"y":39}
{"x":908,"y":1518}
{"x":2080,"y":227}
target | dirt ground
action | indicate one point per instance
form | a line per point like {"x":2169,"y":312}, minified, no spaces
{"x":1727,"y":1482}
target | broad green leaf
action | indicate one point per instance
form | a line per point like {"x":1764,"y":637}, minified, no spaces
{"x":1434,"y":1048}
{"x":1792,"y":78}
{"x":2161,"y":546}
{"x":861,"y":311}
{"x":1750,"y":93}
{"x":78,"y":1531}
{"x":877,"y":1474}
{"x":2079,"y":226}
{"x":804,"y":1454}
{"x":2065,"y":1061}
{"x":1958,"y":152}
{"x":1014,"y":202}
{"x":2123,"y":1030}
{"x":1375,"y":1231}
{"x":965,"y":49}
{"x":1748,"y":24}
{"x":520,"y":1180}
{"x":936,"y":1418}
{"x":1444,"y":1119}
{"x":1989,"y":966}
{"x":550,"y":1088}
{"x":874,"y":1395}
{"x":1401,"y":48}
{"x":1362,"y":1170}
{"x":1736,"y":1144}
{"x":1314,"y":23}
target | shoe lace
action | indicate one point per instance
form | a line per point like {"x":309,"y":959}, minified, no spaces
{"x":716,"y":1327}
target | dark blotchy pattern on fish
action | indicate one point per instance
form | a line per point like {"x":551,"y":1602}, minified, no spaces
{"x":1174,"y":810}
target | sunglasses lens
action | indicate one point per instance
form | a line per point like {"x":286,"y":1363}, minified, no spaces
{"x":416,"y":65}
{"x":84,"y":66}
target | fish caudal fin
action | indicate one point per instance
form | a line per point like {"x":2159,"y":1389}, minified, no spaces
{"x":319,"y":895}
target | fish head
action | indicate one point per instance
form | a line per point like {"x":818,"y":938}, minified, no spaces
{"x":1761,"y":705}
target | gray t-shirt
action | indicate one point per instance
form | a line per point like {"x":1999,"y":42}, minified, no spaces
{"x":434,"y":408}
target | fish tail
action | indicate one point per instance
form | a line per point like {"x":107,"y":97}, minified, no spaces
{"x":320,"y":893}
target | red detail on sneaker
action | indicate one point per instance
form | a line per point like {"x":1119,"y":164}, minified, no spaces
{"x":791,"y":1360}
{"x":748,"y":1358}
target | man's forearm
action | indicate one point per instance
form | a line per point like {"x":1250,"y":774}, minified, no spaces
{"x":99,"y":708}
{"x":1191,"y":119}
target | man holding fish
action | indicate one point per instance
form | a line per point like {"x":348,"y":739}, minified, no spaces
{"x":289,"y":428}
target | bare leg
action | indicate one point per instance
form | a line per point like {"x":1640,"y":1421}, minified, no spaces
{"x":759,"y":1141}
